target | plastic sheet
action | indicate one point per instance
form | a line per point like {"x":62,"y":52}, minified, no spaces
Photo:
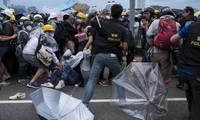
{"x":144,"y":91}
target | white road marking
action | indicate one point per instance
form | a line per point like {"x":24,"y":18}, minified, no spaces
{"x":93,"y":100}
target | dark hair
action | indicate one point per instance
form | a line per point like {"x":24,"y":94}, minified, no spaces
{"x":65,"y":17}
{"x":116,"y":11}
{"x":189,"y":9}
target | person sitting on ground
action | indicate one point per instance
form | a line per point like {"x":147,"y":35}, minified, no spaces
{"x":67,"y":75}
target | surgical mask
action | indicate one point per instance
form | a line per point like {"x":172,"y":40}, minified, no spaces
{"x":79,"y":21}
{"x":20,"y":23}
{"x":50,"y":34}
{"x":107,"y":17}
{"x":29,"y":28}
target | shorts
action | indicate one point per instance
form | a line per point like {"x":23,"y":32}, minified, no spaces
{"x":33,"y":60}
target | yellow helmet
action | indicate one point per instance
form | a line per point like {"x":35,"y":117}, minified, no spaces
{"x":81,"y":15}
{"x":48,"y":28}
{"x":12,"y":10}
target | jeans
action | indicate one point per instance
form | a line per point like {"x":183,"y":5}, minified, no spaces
{"x":102,"y":60}
{"x":192,"y":91}
{"x":68,"y":74}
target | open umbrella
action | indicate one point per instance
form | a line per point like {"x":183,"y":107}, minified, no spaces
{"x":145,"y":92}
{"x":56,"y":105}
{"x":19,"y":10}
{"x":81,"y":7}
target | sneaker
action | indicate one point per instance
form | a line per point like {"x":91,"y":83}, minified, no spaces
{"x":60,"y":85}
{"x":33,"y":85}
{"x":5,"y":77}
{"x":102,"y":82}
{"x":47,"y":84}
{"x":23,"y":81}
{"x":18,"y":96}
{"x":4,"y":83}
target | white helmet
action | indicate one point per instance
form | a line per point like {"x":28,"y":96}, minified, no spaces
{"x":7,"y":12}
{"x":24,"y":18}
{"x":52,"y":15}
{"x":37,"y":15}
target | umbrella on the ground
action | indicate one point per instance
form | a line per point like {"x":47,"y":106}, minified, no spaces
{"x":19,"y":10}
{"x":145,"y":92}
{"x":197,"y":14}
{"x":56,"y":105}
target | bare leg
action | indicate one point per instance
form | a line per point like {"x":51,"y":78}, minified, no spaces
{"x":39,"y":72}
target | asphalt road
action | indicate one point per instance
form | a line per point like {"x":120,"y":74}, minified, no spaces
{"x":102,"y":110}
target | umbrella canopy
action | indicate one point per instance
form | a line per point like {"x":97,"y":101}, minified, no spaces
{"x":2,"y":6}
{"x":81,"y":7}
{"x":197,"y":14}
{"x":145,"y":92}
{"x":56,"y":105}
{"x":19,"y":10}
{"x":66,"y":5}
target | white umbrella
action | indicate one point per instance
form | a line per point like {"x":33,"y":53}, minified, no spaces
{"x":56,"y":105}
{"x":145,"y":91}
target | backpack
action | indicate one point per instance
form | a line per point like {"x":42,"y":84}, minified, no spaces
{"x":60,"y":34}
{"x":43,"y":55}
{"x":22,"y":39}
{"x":166,"y":29}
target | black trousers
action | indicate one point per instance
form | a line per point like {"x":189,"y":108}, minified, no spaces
{"x":192,"y":91}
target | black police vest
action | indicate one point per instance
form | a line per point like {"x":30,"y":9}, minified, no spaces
{"x":190,"y":55}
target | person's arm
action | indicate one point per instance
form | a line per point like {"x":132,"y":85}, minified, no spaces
{"x":179,"y":35}
{"x":7,"y":38}
{"x":90,"y":40}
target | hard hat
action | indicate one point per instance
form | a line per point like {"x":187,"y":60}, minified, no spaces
{"x":48,"y":28}
{"x":37,"y":18}
{"x":23,"y":18}
{"x":81,"y":15}
{"x":52,"y":15}
{"x":7,"y":12}
{"x":166,"y":11}
{"x":12,"y":10}
{"x":37,"y":15}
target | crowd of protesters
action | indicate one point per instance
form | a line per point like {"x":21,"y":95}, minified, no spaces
{"x":107,"y":35}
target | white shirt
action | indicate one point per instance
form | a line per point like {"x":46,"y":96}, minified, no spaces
{"x":31,"y":46}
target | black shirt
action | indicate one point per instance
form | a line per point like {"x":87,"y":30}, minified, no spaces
{"x":109,"y":36}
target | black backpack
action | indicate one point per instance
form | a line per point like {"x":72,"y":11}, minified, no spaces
{"x":60,"y":34}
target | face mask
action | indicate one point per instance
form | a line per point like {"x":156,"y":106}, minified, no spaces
{"x":79,"y":21}
{"x":20,"y":23}
{"x":29,"y":28}
{"x":107,"y":17}
{"x":50,"y":34}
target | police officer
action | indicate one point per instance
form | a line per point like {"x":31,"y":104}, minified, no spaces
{"x":189,"y":66}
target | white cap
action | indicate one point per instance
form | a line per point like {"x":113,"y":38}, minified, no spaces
{"x":52,"y":15}
{"x":67,"y":53}
{"x":7,"y":12}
